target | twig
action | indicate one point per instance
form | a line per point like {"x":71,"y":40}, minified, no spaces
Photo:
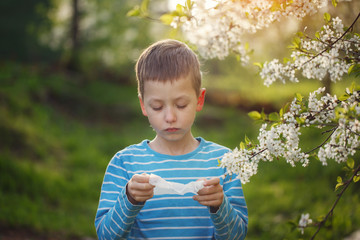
{"x":322,"y":144}
{"x":333,"y":43}
{"x":257,"y":153}
{"x":347,"y":183}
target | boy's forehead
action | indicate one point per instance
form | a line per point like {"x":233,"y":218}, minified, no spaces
{"x":181,"y":81}
{"x":178,"y":88}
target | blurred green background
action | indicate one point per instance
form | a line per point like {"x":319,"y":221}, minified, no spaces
{"x":68,"y":103}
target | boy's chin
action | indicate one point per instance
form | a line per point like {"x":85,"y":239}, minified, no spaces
{"x":174,"y":137}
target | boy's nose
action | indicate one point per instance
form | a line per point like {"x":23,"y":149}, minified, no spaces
{"x":170,"y":115}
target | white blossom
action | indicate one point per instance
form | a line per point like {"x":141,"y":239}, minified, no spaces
{"x":314,"y":58}
{"x":238,"y":162}
{"x":217,"y":27}
{"x":304,"y":222}
{"x":282,"y":140}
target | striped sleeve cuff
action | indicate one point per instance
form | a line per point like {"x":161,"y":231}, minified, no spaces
{"x":130,"y":207}
{"x":228,"y":224}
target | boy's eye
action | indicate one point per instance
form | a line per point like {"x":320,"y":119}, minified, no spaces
{"x":156,"y":108}
{"x":181,"y":106}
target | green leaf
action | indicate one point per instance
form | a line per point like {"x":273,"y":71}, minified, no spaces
{"x":299,"y":97}
{"x":334,"y":2}
{"x":135,"y":12}
{"x":260,"y":65}
{"x":247,"y":140}
{"x":350,"y":163}
{"x":281,"y":113}
{"x":286,"y":60}
{"x":320,"y":218}
{"x":296,"y":42}
{"x":144,"y":6}
{"x":338,"y":186}
{"x":317,"y":35}
{"x":167,"y":18}
{"x":274,"y":116}
{"x":346,"y":169}
{"x":300,"y":34}
{"x":255,"y":115}
{"x":263,"y":115}
{"x":188,"y":4}
{"x":275,"y":7}
{"x":356,"y":178}
{"x":180,"y":9}
{"x":275,"y":124}
{"x":247,"y":46}
{"x":344,"y":97}
{"x":327,"y":17}
{"x":353,"y":87}
{"x":339,"y":179}
{"x":286,"y":107}
{"x":355,"y":68}
{"x":300,"y":120}
{"x":242,"y":145}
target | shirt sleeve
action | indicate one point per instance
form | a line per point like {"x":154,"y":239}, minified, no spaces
{"x":231,"y":219}
{"x":115,"y":215}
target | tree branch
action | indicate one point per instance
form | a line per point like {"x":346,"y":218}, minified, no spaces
{"x":322,"y":144}
{"x":333,"y":43}
{"x":346,"y":185}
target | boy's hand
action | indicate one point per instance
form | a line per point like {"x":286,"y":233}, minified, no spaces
{"x":211,"y":195}
{"x":139,"y":189}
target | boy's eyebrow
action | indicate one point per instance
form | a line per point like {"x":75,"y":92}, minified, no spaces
{"x":154,"y":99}
{"x":185,"y":97}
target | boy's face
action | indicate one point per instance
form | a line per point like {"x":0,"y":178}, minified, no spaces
{"x":171,"y":107}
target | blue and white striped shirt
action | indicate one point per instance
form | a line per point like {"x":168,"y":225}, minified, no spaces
{"x":169,"y":216}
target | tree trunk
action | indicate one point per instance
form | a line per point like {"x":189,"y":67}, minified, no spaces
{"x":73,"y":61}
{"x":327,"y":84}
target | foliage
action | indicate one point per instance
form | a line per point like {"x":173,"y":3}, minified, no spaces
{"x":106,"y":40}
{"x":18,"y":24}
{"x":57,"y":135}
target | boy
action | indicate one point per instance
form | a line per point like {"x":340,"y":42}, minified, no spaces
{"x":170,"y":94}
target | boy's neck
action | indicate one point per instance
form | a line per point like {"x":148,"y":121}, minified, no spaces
{"x":181,"y":147}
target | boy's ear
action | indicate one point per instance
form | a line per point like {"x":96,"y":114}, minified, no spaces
{"x":142,"y":106}
{"x":201,"y":100}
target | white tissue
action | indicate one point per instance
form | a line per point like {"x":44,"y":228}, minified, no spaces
{"x":164,"y":187}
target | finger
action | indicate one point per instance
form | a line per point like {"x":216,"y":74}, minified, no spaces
{"x":140,"y":197}
{"x":202,"y":179}
{"x":214,"y":200}
{"x":135,"y":196}
{"x":210,"y":190}
{"x":139,"y":193}
{"x":143,"y":178}
{"x":138,"y":186}
{"x":212,"y":203}
{"x":212,"y":181}
{"x":205,"y":191}
{"x":209,"y":197}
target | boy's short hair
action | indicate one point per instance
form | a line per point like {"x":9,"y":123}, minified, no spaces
{"x":168,"y":60}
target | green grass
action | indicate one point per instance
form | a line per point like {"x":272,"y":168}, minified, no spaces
{"x":59,"y":132}
{"x":57,"y":138}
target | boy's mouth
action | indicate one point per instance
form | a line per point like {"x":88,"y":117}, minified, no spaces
{"x":171,"y":130}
